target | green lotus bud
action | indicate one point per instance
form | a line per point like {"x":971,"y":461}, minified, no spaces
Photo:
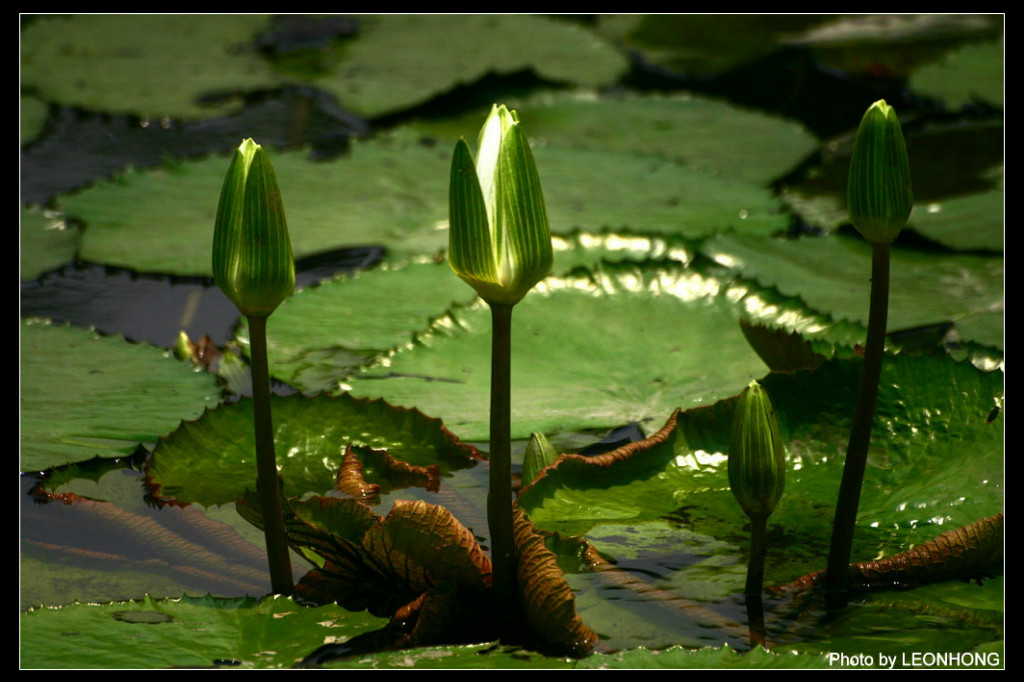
{"x":539,"y":454}
{"x":499,"y":240}
{"x":252,"y":254}
{"x":879,"y":192}
{"x":757,"y":461}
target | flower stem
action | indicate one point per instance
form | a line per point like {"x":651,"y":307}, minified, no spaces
{"x":758,"y":550}
{"x":837,"y":575}
{"x":499,"y":497}
{"x":267,"y":481}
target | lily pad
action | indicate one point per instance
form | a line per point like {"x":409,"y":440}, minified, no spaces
{"x":84,"y":395}
{"x":33,"y":117}
{"x":400,"y":61}
{"x":47,"y":242}
{"x":212,"y":460}
{"x":708,"y":135}
{"x":89,"y":534}
{"x":704,"y":44}
{"x":388,"y":193}
{"x":191,"y":632}
{"x":911,"y":492}
{"x":832,"y":275}
{"x":149,"y":65}
{"x":324,"y":332}
{"x":393,"y":192}
{"x":575,"y":360}
{"x":598,"y":189}
{"x":970,"y":74}
{"x":971,"y":222}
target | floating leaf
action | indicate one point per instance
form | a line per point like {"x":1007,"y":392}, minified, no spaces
{"x":828,"y":273}
{"x":970,"y":74}
{"x":191,"y":632}
{"x":212,"y":460}
{"x":400,"y":61}
{"x":150,"y":65}
{"x":322,"y":333}
{"x":759,"y":148}
{"x":47,"y":242}
{"x":578,"y":362}
{"x":910,"y":487}
{"x":133,"y":394}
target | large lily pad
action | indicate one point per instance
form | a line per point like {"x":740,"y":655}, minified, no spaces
{"x":972,"y":222}
{"x":974,"y":73}
{"x":150,"y":65}
{"x":84,"y":395}
{"x":212,"y":460}
{"x":832,"y":275}
{"x":917,"y":484}
{"x":393,"y":192}
{"x":322,"y":333}
{"x":576,"y":361}
{"x":708,"y":135}
{"x":704,"y":44}
{"x":400,"y":61}
{"x":191,"y":632}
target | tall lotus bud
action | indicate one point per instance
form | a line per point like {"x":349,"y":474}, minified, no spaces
{"x":499,"y":241}
{"x":757,"y":461}
{"x":879,"y":193}
{"x":252,"y":253}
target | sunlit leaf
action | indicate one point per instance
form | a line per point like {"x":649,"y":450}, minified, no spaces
{"x":576,"y":361}
{"x":212,"y":460}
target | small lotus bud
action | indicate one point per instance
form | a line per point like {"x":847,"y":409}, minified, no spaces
{"x":499,"y":241}
{"x":252,"y":253}
{"x":879,"y":193}
{"x":539,"y":454}
{"x":757,"y":461}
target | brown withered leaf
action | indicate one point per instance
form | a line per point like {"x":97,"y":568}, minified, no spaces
{"x":380,"y":563}
{"x":961,"y":553}
{"x":365,"y":473}
{"x":549,"y":606}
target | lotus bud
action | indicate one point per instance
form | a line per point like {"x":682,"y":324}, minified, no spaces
{"x":539,"y":454}
{"x":499,"y":241}
{"x":757,"y":461}
{"x":252,"y":253}
{"x":879,"y":194}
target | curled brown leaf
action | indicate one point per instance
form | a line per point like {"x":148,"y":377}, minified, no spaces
{"x":963,"y":552}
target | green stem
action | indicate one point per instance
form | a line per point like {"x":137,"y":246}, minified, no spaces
{"x":837,"y":575}
{"x":267,"y":481}
{"x":499,"y":497}
{"x":758,"y":549}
